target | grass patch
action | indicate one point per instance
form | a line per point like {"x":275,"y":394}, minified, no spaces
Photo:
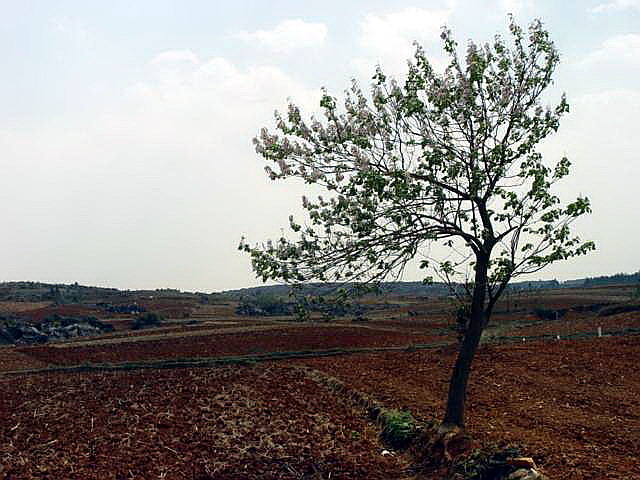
{"x":398,"y":428}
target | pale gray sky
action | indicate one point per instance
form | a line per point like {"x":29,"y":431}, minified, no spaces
{"x":126,"y":126}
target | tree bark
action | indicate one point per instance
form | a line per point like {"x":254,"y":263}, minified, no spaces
{"x":454,"y":416}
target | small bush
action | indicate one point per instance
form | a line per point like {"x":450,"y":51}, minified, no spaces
{"x":265,"y":305}
{"x":593,"y":307}
{"x":398,"y":428}
{"x":550,"y":314}
{"x":147,"y":320}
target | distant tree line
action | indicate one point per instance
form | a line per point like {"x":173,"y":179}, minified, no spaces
{"x":617,"y":279}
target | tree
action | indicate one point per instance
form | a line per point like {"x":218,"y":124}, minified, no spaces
{"x":448,"y":158}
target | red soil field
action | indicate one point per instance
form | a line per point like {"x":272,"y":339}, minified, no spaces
{"x":267,"y":422}
{"x":220,"y":344}
{"x":16,"y":307}
{"x":11,"y":359}
{"x":573,"y":405}
{"x":580,"y":323}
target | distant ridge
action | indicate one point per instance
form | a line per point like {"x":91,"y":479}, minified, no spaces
{"x":68,"y":293}
{"x":438,"y":289}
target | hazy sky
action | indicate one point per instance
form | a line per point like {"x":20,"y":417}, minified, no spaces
{"x":126,"y":126}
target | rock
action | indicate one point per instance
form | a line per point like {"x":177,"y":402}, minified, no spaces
{"x":54,"y":328}
{"x":522,"y":462}
{"x":5,"y":338}
{"x":526,"y":474}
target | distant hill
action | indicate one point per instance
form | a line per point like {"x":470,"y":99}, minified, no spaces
{"x":75,"y":293}
{"x":39,"y":292}
{"x":439,"y":289}
{"x":617,"y":279}
{"x":315,"y":289}
{"x":435,"y":289}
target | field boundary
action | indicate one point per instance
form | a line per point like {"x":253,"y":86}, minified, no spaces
{"x":218,"y":361}
{"x":207,"y":362}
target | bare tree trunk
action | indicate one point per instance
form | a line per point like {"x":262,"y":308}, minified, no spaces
{"x":454,"y":416}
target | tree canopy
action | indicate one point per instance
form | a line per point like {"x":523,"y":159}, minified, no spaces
{"x":448,"y":157}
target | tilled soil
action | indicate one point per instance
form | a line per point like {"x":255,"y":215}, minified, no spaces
{"x":580,"y":323}
{"x":220,"y":344}
{"x":266,"y":421}
{"x":11,"y":360}
{"x":573,"y":405}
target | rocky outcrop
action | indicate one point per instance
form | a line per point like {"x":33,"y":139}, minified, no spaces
{"x":526,"y":474}
{"x":276,"y":307}
{"x":53,"y":328}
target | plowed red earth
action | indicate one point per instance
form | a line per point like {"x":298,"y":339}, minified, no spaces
{"x":285,"y":339}
{"x":580,"y":323}
{"x":267,"y":422}
{"x":11,"y":360}
{"x":573,"y":405}
{"x":39,"y":314}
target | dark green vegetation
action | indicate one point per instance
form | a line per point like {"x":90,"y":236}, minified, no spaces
{"x":75,"y":293}
{"x":398,"y":428}
{"x":615,"y":309}
{"x":147,"y":320}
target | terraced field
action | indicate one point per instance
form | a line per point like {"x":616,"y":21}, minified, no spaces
{"x":117,"y":405}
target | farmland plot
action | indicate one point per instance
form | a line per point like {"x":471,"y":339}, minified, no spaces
{"x":573,"y":405}
{"x":237,"y":422}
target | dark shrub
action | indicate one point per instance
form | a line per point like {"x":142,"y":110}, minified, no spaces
{"x":360,"y":319}
{"x":398,"y":428}
{"x":615,"y":309}
{"x":147,"y":320}
{"x":594,"y":307}
{"x":549,"y":313}
{"x":265,"y":305}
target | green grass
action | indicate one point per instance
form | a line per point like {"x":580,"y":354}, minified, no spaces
{"x":398,"y":428}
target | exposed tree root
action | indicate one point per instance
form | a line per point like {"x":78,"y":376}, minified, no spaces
{"x":438,"y":446}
